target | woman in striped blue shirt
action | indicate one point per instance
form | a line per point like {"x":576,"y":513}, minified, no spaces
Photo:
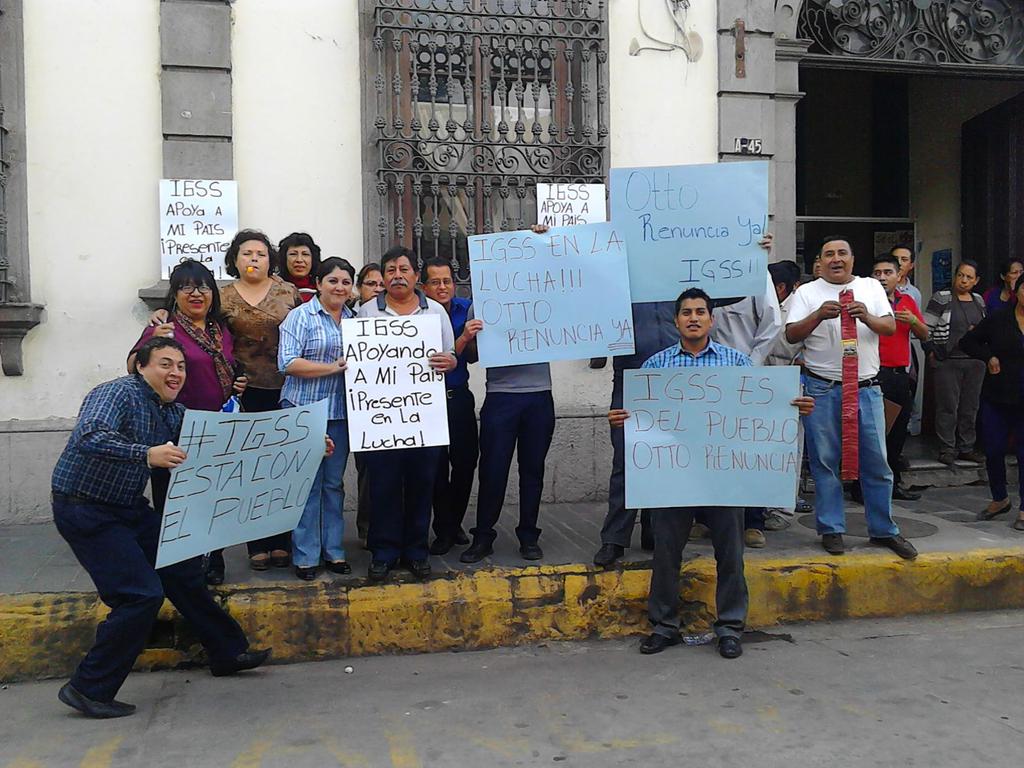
{"x":310,"y":356}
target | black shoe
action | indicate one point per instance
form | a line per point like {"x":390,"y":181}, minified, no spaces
{"x":608,"y":554}
{"x":461,"y":538}
{"x":241,"y":662}
{"x":646,"y":540}
{"x":730,"y":647}
{"x":902,"y":493}
{"x":420,"y":569}
{"x":975,"y":457}
{"x":341,"y":567}
{"x":833,"y":543}
{"x":656,"y":643}
{"x":477,"y":552}
{"x":378,"y":570}
{"x":531,"y":551}
{"x":897,"y":544}
{"x":306,"y":574}
{"x":91,"y":708}
{"x":213,"y":568}
{"x":442,"y":545}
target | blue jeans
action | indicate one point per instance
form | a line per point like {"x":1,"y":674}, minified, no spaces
{"x":322,"y":525}
{"x":823,"y":430}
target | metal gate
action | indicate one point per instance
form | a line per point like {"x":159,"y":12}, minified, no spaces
{"x":475,"y":102}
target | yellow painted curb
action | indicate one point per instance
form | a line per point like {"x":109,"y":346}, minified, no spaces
{"x":43,"y":635}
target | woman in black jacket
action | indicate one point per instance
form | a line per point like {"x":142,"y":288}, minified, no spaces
{"x":998,"y":340}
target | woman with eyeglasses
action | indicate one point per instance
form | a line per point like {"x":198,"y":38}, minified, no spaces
{"x":193,"y":317}
{"x":254,"y":306}
{"x":370,"y":283}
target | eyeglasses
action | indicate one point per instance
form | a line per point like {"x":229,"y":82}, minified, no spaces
{"x":438,"y":282}
{"x":373,"y":284}
{"x":202,"y":290}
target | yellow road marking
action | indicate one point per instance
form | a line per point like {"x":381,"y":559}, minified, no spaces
{"x":252,"y":757}
{"x":102,"y":755}
{"x":403,"y":753}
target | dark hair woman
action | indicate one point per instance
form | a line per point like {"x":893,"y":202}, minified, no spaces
{"x":194,"y":320}
{"x":253,"y":307}
{"x":311,"y":356}
{"x":1001,"y":295}
{"x":998,"y":340}
{"x":299,"y":259}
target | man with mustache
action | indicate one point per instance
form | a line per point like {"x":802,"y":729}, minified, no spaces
{"x":126,"y":428}
{"x":815,"y":319}
{"x":402,"y":479}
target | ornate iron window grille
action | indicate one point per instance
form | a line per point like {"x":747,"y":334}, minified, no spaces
{"x":980,"y":32}
{"x":475,"y":102}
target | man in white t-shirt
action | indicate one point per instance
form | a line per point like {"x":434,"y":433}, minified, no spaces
{"x":814,"y":319}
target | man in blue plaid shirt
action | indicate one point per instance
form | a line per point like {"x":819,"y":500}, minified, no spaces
{"x":671,"y":525}
{"x":126,"y":430}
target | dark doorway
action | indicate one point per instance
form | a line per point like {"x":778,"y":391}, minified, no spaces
{"x":992,"y":186}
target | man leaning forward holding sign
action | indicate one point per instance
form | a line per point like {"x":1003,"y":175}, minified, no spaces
{"x":126,"y":429}
{"x":672,"y":524}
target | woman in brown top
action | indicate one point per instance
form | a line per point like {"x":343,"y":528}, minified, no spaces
{"x":254,"y":306}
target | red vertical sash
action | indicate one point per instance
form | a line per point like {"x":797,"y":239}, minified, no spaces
{"x":851,"y":437}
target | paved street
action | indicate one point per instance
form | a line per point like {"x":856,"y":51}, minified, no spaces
{"x":936,"y":691}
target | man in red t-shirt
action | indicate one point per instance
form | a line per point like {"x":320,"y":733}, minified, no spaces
{"x":894,"y":354}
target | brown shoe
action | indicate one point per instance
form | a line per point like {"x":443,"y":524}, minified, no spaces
{"x":260,"y":561}
{"x":994,"y":510}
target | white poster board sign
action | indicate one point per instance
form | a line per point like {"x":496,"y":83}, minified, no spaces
{"x":198,"y":218}
{"x":247,"y":476}
{"x":566,"y":205}
{"x":394,"y":398}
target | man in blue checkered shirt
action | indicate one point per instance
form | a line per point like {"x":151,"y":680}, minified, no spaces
{"x":671,"y":525}
{"x":126,"y":429}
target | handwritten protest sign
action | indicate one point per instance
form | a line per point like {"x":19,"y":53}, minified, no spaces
{"x":562,"y":295}
{"x":693,"y":226}
{"x":569,"y":205}
{"x":395,"y":400}
{"x":198,"y":218}
{"x":722,"y":437}
{"x":247,"y":476}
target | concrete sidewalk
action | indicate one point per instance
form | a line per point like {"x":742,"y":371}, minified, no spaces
{"x":48,"y":608}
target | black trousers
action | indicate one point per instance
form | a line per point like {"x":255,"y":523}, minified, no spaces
{"x":457,"y":464}
{"x":896,"y":386}
{"x":256,"y":400}
{"x":513,"y":422}
{"x":117,"y":547}
{"x":619,"y":521}
{"x":671,"y":531}
{"x":401,"y":487}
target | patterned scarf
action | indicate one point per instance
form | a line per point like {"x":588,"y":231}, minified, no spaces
{"x":851,"y":391}
{"x":210,"y":341}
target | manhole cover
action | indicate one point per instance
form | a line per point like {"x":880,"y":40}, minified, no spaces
{"x":856,"y":525}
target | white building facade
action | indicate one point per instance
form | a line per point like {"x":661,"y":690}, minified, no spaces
{"x":369,"y":122}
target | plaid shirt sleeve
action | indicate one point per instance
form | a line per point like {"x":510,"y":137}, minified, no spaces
{"x":98,"y":432}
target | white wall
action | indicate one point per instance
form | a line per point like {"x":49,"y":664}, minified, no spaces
{"x":297,"y":132}
{"x":663,"y":111}
{"x":94,"y":156}
{"x":938,"y":109}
